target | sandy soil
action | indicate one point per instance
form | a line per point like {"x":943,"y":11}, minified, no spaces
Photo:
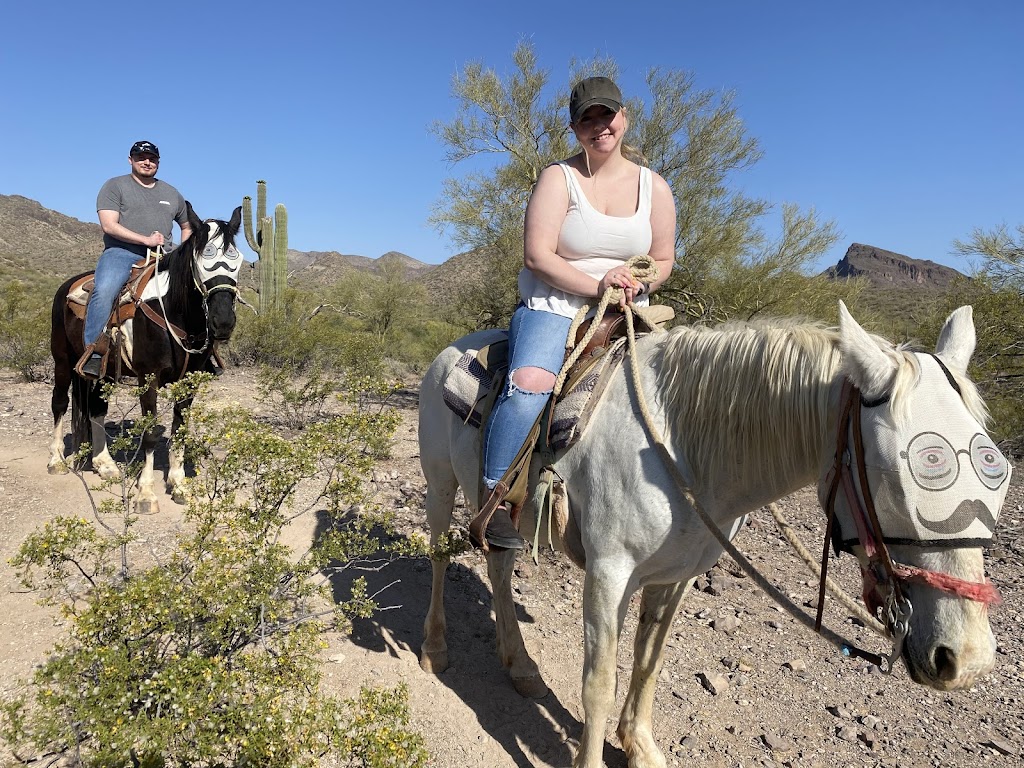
{"x":786,"y":697}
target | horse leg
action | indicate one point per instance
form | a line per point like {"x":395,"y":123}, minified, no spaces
{"x":59,"y":407}
{"x":657,"y":608}
{"x":526,"y":677}
{"x":89,"y":425}
{"x":146,"y":502}
{"x":441,"y":488}
{"x":176,"y":455}
{"x":604,"y":610}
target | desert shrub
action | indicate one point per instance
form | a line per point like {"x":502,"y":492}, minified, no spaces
{"x":299,"y":400}
{"x":210,"y":655}
{"x":296,"y":339}
{"x":24,"y":330}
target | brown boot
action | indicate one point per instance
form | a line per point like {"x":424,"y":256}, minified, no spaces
{"x":493,"y":526}
{"x":500,"y":533}
{"x":91,"y":364}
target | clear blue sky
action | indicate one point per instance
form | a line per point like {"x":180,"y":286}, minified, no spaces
{"x":902,"y":121}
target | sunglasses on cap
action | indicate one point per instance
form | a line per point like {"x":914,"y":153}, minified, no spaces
{"x":144,"y":148}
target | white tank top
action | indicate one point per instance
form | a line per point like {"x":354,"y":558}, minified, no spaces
{"x":593,"y":242}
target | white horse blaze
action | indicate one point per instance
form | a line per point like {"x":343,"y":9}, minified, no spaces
{"x":750,"y":415}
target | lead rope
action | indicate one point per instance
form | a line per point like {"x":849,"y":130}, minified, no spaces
{"x":846,"y":647}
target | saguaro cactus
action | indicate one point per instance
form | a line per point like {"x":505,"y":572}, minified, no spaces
{"x":269,"y":239}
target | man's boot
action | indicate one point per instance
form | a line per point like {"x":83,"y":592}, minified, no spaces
{"x":90,"y":365}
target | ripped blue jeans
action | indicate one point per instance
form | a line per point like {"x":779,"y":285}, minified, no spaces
{"x":535,"y":339}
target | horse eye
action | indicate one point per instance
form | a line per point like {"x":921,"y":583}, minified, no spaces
{"x":932,"y":461}
{"x":988,"y":462}
{"x":210,"y":250}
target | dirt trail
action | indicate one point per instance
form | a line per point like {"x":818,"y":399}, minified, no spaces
{"x":788,"y":698}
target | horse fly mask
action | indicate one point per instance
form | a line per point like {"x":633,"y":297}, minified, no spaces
{"x":931,"y":477}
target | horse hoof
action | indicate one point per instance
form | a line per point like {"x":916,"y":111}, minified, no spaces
{"x":178,"y":496}
{"x":147,"y":507}
{"x":532,"y":687}
{"x":108,"y":473}
{"x":57,"y":468}
{"x":434,"y":663}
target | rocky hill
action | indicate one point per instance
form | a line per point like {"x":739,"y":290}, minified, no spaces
{"x":885,"y":269}
{"x":37,"y":244}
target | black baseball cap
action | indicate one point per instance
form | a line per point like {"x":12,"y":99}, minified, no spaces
{"x":594,"y":90}
{"x":144,"y":148}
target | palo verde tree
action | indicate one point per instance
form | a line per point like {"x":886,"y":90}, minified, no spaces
{"x":997,"y":295}
{"x":508,"y":128}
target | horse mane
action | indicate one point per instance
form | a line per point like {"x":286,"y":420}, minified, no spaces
{"x":737,"y":391}
{"x":178,"y":266}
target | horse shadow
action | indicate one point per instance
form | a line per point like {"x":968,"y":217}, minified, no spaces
{"x":543,"y":726}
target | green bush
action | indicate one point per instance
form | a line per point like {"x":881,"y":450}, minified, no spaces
{"x":24,"y":330}
{"x":211,"y":656}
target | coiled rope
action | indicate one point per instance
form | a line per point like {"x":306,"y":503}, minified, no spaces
{"x":645,"y":270}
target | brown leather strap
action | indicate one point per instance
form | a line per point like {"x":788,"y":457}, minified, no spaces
{"x":155,"y":316}
{"x":478,"y":526}
{"x":882,"y":552}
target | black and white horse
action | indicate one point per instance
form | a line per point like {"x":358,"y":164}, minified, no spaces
{"x":187,"y":307}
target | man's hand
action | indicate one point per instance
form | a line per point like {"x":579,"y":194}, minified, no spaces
{"x":154,"y":240}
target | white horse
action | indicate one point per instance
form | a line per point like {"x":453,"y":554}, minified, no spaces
{"x":750,"y":413}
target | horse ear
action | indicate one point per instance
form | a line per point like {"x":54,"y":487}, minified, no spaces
{"x":236,"y":220}
{"x":957,"y":339}
{"x":193,"y":219}
{"x":869,"y":366}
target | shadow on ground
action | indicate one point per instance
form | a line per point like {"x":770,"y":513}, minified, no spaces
{"x":543,"y":726}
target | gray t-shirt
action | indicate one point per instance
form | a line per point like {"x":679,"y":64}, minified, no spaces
{"x":142,"y":210}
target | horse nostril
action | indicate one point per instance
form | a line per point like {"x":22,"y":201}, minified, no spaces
{"x":946,"y":666}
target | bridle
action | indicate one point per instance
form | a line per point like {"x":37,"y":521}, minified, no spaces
{"x":223,"y":266}
{"x":883,"y":576}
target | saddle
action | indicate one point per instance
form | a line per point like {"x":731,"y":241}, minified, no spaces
{"x":117,"y":331}
{"x":472,"y":386}
{"x":127,"y":302}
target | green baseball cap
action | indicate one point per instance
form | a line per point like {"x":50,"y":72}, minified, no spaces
{"x":591,"y":91}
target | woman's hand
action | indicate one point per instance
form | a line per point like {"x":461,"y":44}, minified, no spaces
{"x":621,"y":277}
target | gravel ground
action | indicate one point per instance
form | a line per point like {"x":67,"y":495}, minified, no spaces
{"x":743,"y":684}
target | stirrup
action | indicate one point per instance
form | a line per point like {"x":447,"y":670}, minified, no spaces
{"x":90,"y":365}
{"x":493,"y":526}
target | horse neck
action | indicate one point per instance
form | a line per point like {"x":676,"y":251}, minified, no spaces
{"x":752,"y":416}
{"x":184,"y":301}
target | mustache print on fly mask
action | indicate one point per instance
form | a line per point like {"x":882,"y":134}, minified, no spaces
{"x":935,"y":466}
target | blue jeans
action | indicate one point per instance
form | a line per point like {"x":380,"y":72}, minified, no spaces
{"x":112,"y":272}
{"x":535,"y":339}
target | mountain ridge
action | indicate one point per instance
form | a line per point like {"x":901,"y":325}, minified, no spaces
{"x":39,"y":244}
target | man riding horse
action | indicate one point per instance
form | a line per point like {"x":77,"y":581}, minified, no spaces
{"x":129,"y":206}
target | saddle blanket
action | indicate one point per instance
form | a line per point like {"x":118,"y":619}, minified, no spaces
{"x":471,"y":387}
